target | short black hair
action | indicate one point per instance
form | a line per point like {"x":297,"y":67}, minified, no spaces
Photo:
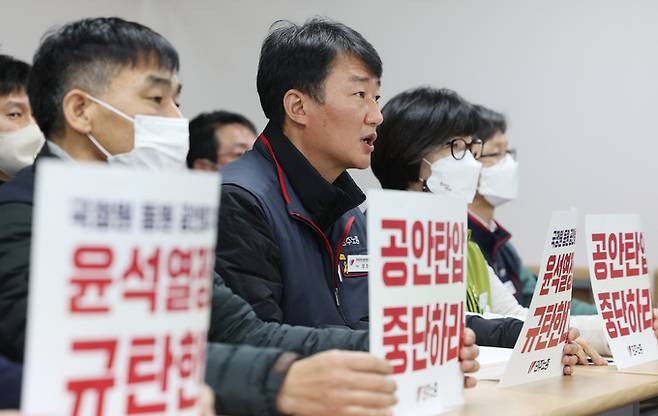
{"x":86,"y":54}
{"x":416,"y":122}
{"x":300,"y":57}
{"x":491,"y":122}
{"x":203,"y":139}
{"x":13,"y":75}
{"x":203,"y":144}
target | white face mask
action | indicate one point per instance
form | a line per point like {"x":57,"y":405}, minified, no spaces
{"x":456,"y":178}
{"x":500,"y":183}
{"x":19,"y":148}
{"x":161,"y":143}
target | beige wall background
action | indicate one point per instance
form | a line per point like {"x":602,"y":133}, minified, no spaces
{"x":576,"y":78}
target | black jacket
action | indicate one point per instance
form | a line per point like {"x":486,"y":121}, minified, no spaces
{"x":11,"y":375}
{"x":286,"y":235}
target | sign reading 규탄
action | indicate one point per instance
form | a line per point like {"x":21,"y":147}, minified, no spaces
{"x":120,"y":284}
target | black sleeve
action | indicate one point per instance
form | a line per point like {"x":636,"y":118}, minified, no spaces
{"x":499,"y":332}
{"x":246,"y":380}
{"x":15,"y":236}
{"x":11,"y":375}
{"x":233,"y":321}
{"x":248,"y":256}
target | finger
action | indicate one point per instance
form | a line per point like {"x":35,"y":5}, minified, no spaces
{"x":470,"y":366}
{"x":581,"y":357}
{"x":568,"y":370}
{"x":591,"y":352}
{"x":573,"y":334}
{"x":362,"y":361}
{"x":469,"y":382}
{"x":569,"y":359}
{"x":371,"y":382}
{"x":571,"y":348}
{"x":469,"y":337}
{"x":469,"y":353}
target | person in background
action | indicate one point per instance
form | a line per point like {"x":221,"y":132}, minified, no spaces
{"x":498,"y":184}
{"x":20,"y":137}
{"x":218,"y":138}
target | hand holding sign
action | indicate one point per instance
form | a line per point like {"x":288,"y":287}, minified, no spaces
{"x":345,"y":383}
{"x":468,"y":356}
{"x":570,"y":352}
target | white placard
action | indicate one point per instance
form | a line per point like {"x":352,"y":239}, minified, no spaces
{"x":121,"y":274}
{"x":538,"y":351}
{"x":620,"y":284}
{"x":417,"y":261}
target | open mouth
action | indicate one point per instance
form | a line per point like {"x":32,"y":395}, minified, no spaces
{"x":370,"y":139}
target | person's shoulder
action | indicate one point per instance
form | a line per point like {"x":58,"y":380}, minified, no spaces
{"x":251,"y":171}
{"x":20,"y":189}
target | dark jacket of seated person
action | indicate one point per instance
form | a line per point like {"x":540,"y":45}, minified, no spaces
{"x":11,"y":375}
{"x":286,"y":234}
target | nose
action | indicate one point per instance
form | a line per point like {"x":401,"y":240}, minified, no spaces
{"x":374,"y":116}
{"x":173,"y":111}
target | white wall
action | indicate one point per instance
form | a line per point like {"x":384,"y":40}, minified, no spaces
{"x":577,"y":79}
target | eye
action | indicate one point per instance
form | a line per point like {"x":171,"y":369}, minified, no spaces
{"x":156,"y":99}
{"x":14,"y":115}
{"x":361,"y":94}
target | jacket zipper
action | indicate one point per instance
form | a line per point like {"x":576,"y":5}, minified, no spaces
{"x":327,"y":246}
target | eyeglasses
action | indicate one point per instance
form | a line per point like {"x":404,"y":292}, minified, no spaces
{"x":459,"y":146}
{"x":499,"y":155}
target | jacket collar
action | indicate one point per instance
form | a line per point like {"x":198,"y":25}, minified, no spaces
{"x":490,"y":242}
{"x":325,"y":201}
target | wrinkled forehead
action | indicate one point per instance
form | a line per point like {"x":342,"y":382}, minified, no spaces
{"x":144,"y":76}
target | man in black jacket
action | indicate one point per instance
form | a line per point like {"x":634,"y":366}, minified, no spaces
{"x":289,"y":215}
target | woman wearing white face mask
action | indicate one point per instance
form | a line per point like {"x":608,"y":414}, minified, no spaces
{"x":499,"y":184}
{"x":428,"y":143}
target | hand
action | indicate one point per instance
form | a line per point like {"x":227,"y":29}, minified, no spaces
{"x":585,"y":351}
{"x":569,"y":357}
{"x":341,"y":383}
{"x":468,"y":356}
{"x":655,"y":322}
{"x":207,"y":399}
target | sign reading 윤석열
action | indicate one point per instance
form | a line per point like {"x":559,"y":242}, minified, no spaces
{"x":120,"y":287}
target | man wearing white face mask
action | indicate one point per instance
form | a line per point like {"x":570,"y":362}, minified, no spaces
{"x":20,"y":137}
{"x":498,"y":184}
